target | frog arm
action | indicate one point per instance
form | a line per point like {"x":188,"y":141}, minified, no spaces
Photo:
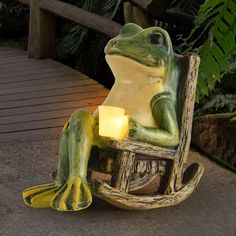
{"x":167,"y":133}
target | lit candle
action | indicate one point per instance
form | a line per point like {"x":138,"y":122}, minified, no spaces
{"x":113,"y":122}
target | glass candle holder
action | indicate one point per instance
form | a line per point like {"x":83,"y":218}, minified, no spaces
{"x":113,"y":122}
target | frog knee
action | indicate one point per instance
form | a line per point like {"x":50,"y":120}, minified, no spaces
{"x":80,"y":115}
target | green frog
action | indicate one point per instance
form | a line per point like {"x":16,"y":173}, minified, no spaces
{"x":146,"y":82}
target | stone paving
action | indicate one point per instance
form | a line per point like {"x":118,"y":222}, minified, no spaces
{"x":210,"y":210}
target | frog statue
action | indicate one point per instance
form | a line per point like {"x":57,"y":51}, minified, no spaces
{"x":146,"y":82}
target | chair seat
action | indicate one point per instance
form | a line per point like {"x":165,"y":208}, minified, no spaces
{"x":144,"y":148}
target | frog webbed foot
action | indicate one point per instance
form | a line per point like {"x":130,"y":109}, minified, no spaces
{"x":75,"y":195}
{"x":40,"y":196}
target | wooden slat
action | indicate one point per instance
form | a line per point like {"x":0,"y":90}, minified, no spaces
{"x":44,"y":81}
{"x":28,"y":63}
{"x":38,"y":96}
{"x":38,"y":124}
{"x":22,"y":77}
{"x":40,"y":76}
{"x":49,"y":107}
{"x":31,"y":71}
{"x":58,"y":120}
{"x":46,"y":114}
{"x":5,"y":57}
{"x":8,"y":55}
{"x":53,"y":99}
{"x":30,"y":135}
{"x":49,"y":86}
{"x":22,"y":66}
{"x":49,"y":93}
{"x":10,"y":60}
{"x":42,"y":124}
{"x":9,"y":51}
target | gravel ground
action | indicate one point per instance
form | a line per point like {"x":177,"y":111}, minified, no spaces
{"x":210,"y":210}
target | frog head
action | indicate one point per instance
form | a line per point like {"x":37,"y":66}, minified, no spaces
{"x":149,"y":47}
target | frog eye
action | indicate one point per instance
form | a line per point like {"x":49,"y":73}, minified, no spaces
{"x":156,"y":39}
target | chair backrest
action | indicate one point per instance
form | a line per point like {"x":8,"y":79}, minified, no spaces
{"x":187,"y":89}
{"x":186,"y":99}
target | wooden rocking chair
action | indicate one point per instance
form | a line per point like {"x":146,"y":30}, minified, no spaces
{"x":142,"y":176}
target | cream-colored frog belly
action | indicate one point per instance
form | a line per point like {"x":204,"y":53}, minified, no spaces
{"x":135,"y":85}
{"x":135,"y":101}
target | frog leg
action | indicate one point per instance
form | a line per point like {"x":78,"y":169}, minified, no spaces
{"x":167,"y":132}
{"x":41,"y":196}
{"x":75,"y":194}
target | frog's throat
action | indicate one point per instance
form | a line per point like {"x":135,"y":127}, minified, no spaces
{"x":126,"y":68}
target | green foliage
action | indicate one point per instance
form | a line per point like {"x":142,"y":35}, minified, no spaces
{"x":218,"y":104}
{"x":187,"y":6}
{"x":11,"y":43}
{"x":84,"y":46}
{"x":5,"y":6}
{"x":215,"y":31}
{"x":89,"y":60}
{"x":12,"y":8}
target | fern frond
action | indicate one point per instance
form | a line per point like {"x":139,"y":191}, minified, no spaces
{"x":218,"y":104}
{"x":219,"y":47}
{"x":105,"y":8}
{"x":72,"y":40}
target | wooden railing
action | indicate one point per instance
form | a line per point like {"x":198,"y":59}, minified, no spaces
{"x":42,"y":34}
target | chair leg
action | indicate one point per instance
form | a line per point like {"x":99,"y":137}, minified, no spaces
{"x":122,"y":170}
{"x":170,"y":187}
{"x":118,"y":195}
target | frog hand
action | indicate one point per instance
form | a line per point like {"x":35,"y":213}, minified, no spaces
{"x":40,"y":196}
{"x":75,"y":195}
{"x":134,"y":129}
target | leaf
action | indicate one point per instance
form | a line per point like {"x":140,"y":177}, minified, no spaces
{"x":218,"y":18}
{"x":232,"y":6}
{"x":71,"y":42}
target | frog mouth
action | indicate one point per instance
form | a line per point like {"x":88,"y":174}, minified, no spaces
{"x":122,"y":64}
{"x":150,"y":62}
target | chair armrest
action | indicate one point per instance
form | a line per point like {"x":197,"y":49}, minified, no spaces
{"x":144,"y":148}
